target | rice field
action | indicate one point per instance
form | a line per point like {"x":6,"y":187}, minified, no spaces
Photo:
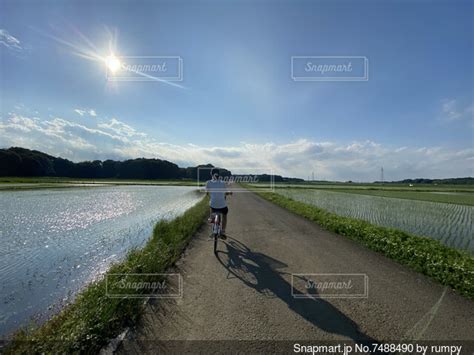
{"x":449,"y":223}
{"x":53,"y":242}
{"x":458,"y":198}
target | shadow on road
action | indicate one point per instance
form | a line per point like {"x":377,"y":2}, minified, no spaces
{"x":259,"y":271}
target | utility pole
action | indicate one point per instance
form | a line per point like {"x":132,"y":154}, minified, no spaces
{"x":313,"y":176}
{"x":381,"y":174}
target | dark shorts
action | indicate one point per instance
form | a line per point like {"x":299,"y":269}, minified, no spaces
{"x":224,"y":210}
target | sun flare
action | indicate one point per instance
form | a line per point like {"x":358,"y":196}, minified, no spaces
{"x":113,"y":63}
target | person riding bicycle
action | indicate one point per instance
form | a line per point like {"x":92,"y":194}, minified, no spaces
{"x":217,"y":189}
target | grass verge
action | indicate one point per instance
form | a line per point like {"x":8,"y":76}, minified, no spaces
{"x":93,"y":319}
{"x":448,"y":266}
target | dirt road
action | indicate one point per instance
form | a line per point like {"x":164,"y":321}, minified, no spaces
{"x":245,"y":293}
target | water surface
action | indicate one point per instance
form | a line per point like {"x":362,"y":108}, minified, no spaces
{"x":54,"y":241}
{"x":449,"y":223}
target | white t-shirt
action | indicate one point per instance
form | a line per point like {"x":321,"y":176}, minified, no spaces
{"x":217,"y":190}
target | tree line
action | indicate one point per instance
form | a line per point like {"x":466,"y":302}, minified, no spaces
{"x":449,"y":181}
{"x":18,"y":161}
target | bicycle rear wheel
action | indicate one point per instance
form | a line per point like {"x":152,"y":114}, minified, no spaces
{"x":215,"y":243}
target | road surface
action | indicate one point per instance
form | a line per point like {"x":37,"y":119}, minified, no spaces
{"x":246,"y":292}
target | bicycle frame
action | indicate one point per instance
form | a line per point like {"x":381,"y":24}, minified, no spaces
{"x":216,"y":221}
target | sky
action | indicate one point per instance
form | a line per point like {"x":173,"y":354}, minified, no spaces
{"x":237,"y":105}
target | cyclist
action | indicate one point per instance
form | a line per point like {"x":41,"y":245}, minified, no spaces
{"x":217,"y":189}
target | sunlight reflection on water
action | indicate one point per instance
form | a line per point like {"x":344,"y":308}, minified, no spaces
{"x":54,"y":241}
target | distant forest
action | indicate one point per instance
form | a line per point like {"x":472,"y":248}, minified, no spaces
{"x":17,"y":161}
{"x":450,"y":181}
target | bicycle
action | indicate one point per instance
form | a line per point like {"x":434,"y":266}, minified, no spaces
{"x":216,"y":227}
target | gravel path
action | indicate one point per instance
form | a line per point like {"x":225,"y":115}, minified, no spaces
{"x":246,"y":292}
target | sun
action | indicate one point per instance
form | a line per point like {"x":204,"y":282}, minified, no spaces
{"x":113,"y":63}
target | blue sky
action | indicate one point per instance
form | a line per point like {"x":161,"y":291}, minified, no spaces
{"x":237,"y":105}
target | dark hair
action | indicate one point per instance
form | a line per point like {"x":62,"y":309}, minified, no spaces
{"x":215,"y":171}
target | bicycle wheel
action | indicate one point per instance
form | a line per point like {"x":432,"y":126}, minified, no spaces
{"x":215,"y":243}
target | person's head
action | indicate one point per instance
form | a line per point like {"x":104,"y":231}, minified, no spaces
{"x":215,"y":173}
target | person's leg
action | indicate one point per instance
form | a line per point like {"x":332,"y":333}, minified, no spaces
{"x":224,"y":222}
{"x":224,"y":219}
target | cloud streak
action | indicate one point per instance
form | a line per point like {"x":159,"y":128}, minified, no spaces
{"x":82,"y":112}
{"x":12,"y":43}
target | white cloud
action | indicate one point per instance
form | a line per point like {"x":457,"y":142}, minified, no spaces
{"x":120,"y":128}
{"x":21,"y":123}
{"x":452,"y":110}
{"x":357,"y":161}
{"x":9,"y":41}
{"x":82,"y":112}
